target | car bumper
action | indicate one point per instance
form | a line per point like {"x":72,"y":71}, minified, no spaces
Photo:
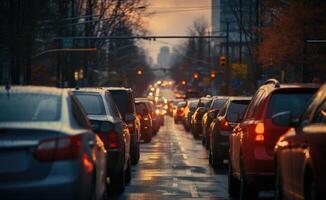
{"x":63,"y":182}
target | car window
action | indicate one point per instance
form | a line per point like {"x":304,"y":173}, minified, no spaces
{"x":113,"y":107}
{"x":29,"y":107}
{"x":79,"y":114}
{"x":123,"y":100}
{"x":217,"y":104}
{"x":238,"y":106}
{"x":223,"y":109}
{"x":140,"y":107}
{"x":293,"y":102}
{"x":92,"y":103}
{"x":320,"y":114}
{"x":251,"y":108}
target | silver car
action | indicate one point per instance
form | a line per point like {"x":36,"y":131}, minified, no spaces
{"x":47,"y":147}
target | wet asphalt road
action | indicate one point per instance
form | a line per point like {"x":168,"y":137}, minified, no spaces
{"x":175,"y":166}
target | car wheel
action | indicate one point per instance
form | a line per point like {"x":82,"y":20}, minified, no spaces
{"x":278,"y":184}
{"x":234,"y":185}
{"x":217,"y":163}
{"x":118,"y":182}
{"x":128,"y":173}
{"x":210,"y":158}
{"x":246,"y":191}
{"x":203,"y":140}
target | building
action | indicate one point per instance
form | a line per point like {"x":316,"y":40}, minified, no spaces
{"x":164,"y":57}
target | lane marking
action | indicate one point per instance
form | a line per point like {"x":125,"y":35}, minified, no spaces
{"x":193,"y":191}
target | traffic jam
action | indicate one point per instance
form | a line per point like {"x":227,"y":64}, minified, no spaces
{"x":82,"y":143}
{"x":163,"y":100}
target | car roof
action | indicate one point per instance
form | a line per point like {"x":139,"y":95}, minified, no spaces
{"x":117,"y":88}
{"x":85,"y":90}
{"x":33,"y":89}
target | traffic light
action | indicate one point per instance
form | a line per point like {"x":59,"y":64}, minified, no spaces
{"x":222,"y":61}
{"x":213,"y":74}
{"x":139,"y":72}
{"x":195,"y":75}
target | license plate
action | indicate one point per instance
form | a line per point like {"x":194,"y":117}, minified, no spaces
{"x":13,"y":161}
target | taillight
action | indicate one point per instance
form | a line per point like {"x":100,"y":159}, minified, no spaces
{"x":259,"y":130}
{"x":88,"y":165}
{"x":224,"y":125}
{"x":113,"y":140}
{"x":65,"y":148}
{"x":131,"y":127}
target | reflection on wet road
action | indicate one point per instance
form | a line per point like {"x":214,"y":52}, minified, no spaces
{"x":175,"y":166}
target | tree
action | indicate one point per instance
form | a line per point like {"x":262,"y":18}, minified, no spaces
{"x":284,"y":41}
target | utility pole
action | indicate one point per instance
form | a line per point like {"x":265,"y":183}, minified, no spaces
{"x":227,"y":71}
{"x":241,"y":26}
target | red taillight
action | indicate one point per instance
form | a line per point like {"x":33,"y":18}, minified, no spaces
{"x":131,"y":127}
{"x":113,"y":140}
{"x":259,"y":130}
{"x":65,"y":148}
{"x":88,"y":165}
{"x":225,"y":125}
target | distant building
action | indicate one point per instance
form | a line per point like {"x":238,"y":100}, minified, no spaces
{"x":164,"y":57}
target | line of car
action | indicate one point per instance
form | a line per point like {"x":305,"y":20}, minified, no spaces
{"x":69,"y":143}
{"x":272,"y":141}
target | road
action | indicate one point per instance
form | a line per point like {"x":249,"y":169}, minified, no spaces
{"x":175,"y":166}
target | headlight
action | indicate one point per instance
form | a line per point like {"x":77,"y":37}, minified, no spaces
{"x":157,"y":111}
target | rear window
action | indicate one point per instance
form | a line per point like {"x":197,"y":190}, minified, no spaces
{"x":92,"y":103}
{"x":218,"y":103}
{"x":193,"y":105}
{"x":29,"y":107}
{"x":293,"y":102}
{"x":140,"y":108}
{"x":238,"y":106}
{"x":123,"y":101}
{"x":181,"y":104}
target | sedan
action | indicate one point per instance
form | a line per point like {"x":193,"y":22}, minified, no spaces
{"x":108,"y":124}
{"x":300,"y":153}
{"x":47,"y":147}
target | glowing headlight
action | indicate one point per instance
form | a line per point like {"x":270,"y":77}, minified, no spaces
{"x":157,"y":111}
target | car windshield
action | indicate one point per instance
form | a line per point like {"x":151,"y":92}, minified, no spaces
{"x":123,"y":101}
{"x":92,"y":103}
{"x":20,"y":107}
{"x":238,"y":106}
{"x":293,"y":102}
{"x":217,"y":104}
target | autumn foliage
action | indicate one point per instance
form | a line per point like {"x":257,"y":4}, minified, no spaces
{"x":288,"y":26}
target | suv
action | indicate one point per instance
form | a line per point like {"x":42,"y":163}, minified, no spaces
{"x":123,"y":97}
{"x":252,"y":142}
{"x":299,"y":176}
{"x":108,"y":124}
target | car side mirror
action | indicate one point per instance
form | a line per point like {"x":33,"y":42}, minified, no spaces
{"x":285,"y":119}
{"x":130,"y":117}
{"x":232,"y":117}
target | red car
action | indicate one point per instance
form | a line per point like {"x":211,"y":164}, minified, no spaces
{"x":300,"y":153}
{"x":251,"y":154}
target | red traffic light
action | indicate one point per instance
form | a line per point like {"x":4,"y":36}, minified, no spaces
{"x":222,"y":61}
{"x":196,"y":75}
{"x":213,"y":75}
{"x":139,"y":72}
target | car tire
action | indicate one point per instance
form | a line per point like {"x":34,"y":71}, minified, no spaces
{"x":118,"y":182}
{"x":217,"y":163}
{"x":278,"y":184}
{"x":247,"y":192}
{"x":210,"y":158}
{"x":233,"y":182}
{"x":128,"y":173}
{"x":203,"y":141}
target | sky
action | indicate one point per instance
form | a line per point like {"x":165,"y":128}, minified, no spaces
{"x":173,"y":17}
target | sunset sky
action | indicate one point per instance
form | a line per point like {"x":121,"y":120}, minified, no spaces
{"x":173,"y":17}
